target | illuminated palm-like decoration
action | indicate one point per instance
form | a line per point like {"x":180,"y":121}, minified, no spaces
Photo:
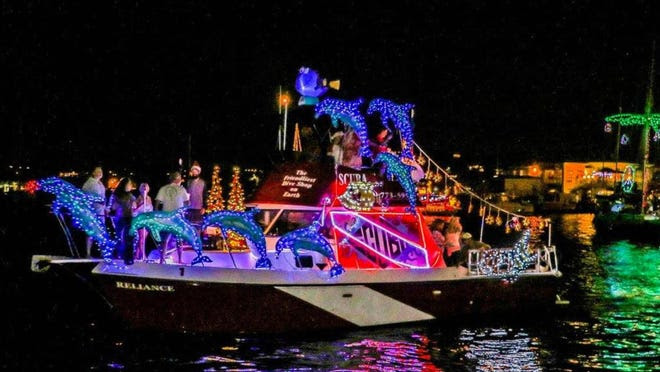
{"x":628,"y":120}
{"x":309,"y":239}
{"x":243,"y":224}
{"x":647,"y":120}
{"x":395,"y":167}
{"x":399,"y":114}
{"x":80,"y":205}
{"x":173,"y":222}
{"x":348,"y":112}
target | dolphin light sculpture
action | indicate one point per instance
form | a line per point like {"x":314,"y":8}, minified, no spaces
{"x":309,"y":239}
{"x":395,"y":167}
{"x":348,"y":112}
{"x":399,"y":114}
{"x":243,"y":224}
{"x":173,"y":222}
{"x":80,"y":205}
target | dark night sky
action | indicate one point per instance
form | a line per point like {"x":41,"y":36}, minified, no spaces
{"x":125,"y":82}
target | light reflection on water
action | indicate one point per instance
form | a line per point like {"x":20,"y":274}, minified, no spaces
{"x":493,"y":349}
{"x":396,"y":349}
{"x":579,"y":227}
{"x":620,"y":289}
{"x":390,"y":350}
{"x":629,"y":313}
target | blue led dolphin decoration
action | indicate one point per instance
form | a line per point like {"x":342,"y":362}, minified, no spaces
{"x":80,"y":204}
{"x":348,"y":112}
{"x":394,"y":167}
{"x":399,"y":114}
{"x":173,"y":222}
{"x":308,"y":83}
{"x":243,"y":224}
{"x":309,"y":239}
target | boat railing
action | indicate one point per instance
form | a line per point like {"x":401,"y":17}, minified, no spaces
{"x":503,"y":263}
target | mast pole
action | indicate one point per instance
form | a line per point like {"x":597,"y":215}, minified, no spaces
{"x":617,"y":143}
{"x":647,"y":126}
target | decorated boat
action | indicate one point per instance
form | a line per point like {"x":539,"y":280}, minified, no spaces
{"x":632,"y":212}
{"x":320,"y":245}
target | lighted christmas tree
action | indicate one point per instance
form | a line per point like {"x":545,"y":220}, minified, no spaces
{"x":236,"y":201}
{"x":214,"y":201}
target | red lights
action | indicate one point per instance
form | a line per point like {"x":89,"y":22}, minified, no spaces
{"x":31,"y":186}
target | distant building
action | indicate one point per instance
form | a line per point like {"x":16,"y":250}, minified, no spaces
{"x":531,"y":179}
{"x":578,"y":174}
{"x":516,"y":187}
{"x":527,"y":179}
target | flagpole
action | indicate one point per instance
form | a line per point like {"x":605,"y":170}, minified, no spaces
{"x":286,"y":111}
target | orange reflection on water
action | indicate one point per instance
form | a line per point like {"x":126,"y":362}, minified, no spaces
{"x":578,"y":226}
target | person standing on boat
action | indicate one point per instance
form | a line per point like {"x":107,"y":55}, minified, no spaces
{"x":142,"y":204}
{"x":468,"y":243}
{"x":196,"y":187}
{"x":93,"y":185}
{"x":437,"y":228}
{"x":381,"y":141}
{"x":336,"y":150}
{"x":437,"y":232}
{"x":452,"y":242}
{"x":121,"y":210}
{"x":650,"y":202}
{"x":170,"y":198}
{"x":351,"y":157}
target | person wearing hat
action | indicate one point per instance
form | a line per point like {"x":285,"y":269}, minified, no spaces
{"x":95,"y":186}
{"x":196,"y":187}
{"x":467,"y":243}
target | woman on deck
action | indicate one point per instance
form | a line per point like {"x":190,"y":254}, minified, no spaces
{"x":121,"y":209}
{"x":143,"y":204}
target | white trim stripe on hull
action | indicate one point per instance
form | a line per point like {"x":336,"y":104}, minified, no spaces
{"x":357,"y":304}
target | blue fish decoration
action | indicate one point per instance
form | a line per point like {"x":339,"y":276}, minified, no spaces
{"x":348,"y":112}
{"x":243,"y":224}
{"x":173,"y":222}
{"x":399,"y":114}
{"x":395,"y":167}
{"x":309,"y":239}
{"x":80,"y":204}
{"x":308,"y":83}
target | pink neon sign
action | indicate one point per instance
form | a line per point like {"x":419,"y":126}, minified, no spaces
{"x":374,"y":238}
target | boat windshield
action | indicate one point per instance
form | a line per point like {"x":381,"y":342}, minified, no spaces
{"x":277,"y":222}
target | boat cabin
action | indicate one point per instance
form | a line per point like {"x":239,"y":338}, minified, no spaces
{"x":368,"y":225}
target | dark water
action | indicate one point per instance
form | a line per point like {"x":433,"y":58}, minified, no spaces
{"x":613,"y":322}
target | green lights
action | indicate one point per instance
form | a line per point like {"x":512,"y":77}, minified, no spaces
{"x":629,"y":313}
{"x":652,"y":120}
